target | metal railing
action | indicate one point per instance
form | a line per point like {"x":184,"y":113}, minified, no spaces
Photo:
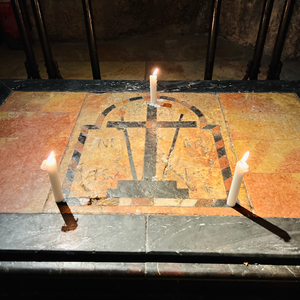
{"x":253,"y":65}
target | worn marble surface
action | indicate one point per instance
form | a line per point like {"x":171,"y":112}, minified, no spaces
{"x":51,"y":232}
{"x":159,"y":237}
{"x":31,"y":124}
{"x":108,"y":86}
{"x":191,"y":158}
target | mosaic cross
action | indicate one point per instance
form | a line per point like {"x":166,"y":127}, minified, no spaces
{"x":148,"y":186}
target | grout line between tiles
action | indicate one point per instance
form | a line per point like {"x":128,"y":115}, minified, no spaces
{"x":232,"y":145}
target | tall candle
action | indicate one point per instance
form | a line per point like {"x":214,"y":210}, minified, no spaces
{"x":50,"y":165}
{"x":153,"y":87}
{"x":240,"y":169}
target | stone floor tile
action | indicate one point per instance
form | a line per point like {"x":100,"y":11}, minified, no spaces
{"x":43,"y":101}
{"x":64,"y":102}
{"x":20,"y":71}
{"x":184,"y":70}
{"x":71,"y":52}
{"x":274,"y":194}
{"x":23,"y":191}
{"x":75,"y":70}
{"x":68,"y":70}
{"x":6,"y":54}
{"x":122,"y":70}
{"x":132,"y":49}
{"x":259,"y":127}
{"x":42,"y":124}
{"x":9,"y":66}
{"x":290,"y":70}
{"x":278,"y":156}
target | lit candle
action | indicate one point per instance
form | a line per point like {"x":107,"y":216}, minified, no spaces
{"x":153,"y":87}
{"x":240,"y":169}
{"x":50,"y":165}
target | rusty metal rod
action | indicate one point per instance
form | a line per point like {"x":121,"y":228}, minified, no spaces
{"x":276,"y":63}
{"x":52,"y":68}
{"x":212,"y":40}
{"x":254,"y":64}
{"x":90,"y":32}
{"x":30,"y":63}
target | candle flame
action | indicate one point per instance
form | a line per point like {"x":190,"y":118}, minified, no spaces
{"x":51,"y":158}
{"x":245,"y":157}
{"x":155,"y":72}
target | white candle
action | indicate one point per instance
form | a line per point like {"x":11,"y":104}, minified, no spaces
{"x":50,"y":165}
{"x":240,"y":169}
{"x":153,"y":87}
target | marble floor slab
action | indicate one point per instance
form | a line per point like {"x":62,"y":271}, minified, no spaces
{"x":117,"y":154}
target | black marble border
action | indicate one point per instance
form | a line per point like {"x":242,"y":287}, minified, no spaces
{"x":146,"y":238}
{"x":4,"y":92}
{"x":105,"y":86}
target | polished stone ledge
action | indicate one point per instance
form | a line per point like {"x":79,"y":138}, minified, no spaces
{"x":109,"y":86}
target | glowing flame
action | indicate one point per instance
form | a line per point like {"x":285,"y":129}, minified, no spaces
{"x":51,"y":159}
{"x":245,"y":157}
{"x":155,"y":72}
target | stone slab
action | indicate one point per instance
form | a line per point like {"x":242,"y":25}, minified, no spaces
{"x":68,"y":232}
{"x":223,"y":236}
{"x":203,"y":86}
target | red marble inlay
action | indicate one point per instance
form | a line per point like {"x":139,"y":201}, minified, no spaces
{"x":100,"y":119}
{"x":151,"y":124}
{"x":203,"y":120}
{"x":99,"y":123}
{"x":73,"y":165}
{"x":220,"y":144}
{"x":227,"y":183}
{"x":224,"y":163}
{"x":216,"y":130}
{"x":67,"y":184}
{"x":84,"y":131}
{"x":79,"y":147}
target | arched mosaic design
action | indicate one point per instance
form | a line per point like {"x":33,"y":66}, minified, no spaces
{"x":147,"y":187}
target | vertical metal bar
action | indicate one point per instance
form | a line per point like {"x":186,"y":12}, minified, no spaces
{"x":254,"y":64}
{"x":51,"y":66}
{"x":276,"y":64}
{"x":90,"y":32}
{"x":212,"y":40}
{"x":30,"y":63}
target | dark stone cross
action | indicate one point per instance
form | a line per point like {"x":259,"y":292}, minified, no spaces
{"x":148,"y":187}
